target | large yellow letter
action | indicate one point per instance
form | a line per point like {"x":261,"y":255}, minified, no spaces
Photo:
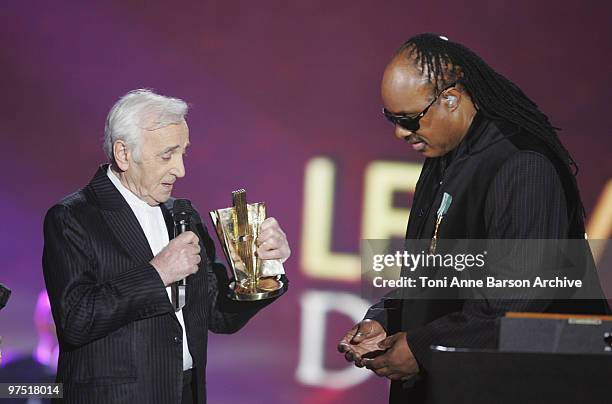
{"x":380,"y":219}
{"x":318,"y":261}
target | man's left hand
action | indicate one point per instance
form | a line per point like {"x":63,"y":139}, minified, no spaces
{"x":398,"y":362}
{"x":272,"y":242}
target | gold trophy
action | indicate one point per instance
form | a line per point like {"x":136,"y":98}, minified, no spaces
{"x":237,"y":228}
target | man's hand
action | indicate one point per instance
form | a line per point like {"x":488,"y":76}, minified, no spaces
{"x":362,"y":341}
{"x":398,"y":362}
{"x":179,"y":259}
{"x":272,"y":242}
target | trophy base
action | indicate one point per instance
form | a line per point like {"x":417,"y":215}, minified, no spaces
{"x":266,"y":289}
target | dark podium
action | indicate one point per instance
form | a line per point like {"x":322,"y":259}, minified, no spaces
{"x":542,"y":358}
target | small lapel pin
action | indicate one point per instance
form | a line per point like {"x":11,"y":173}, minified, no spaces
{"x":447,"y":199}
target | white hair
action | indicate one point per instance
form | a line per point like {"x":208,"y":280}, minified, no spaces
{"x":137,"y":111}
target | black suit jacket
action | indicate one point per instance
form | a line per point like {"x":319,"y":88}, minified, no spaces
{"x":504,"y":185}
{"x":120,"y":340}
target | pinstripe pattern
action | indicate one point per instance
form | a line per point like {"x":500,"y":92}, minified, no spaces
{"x":120,"y":341}
{"x":525,"y":200}
{"x":502,"y":189}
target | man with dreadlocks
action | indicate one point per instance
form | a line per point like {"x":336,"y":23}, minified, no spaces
{"x":490,"y":147}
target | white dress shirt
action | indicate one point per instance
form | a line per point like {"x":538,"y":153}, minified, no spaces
{"x":152,"y":222}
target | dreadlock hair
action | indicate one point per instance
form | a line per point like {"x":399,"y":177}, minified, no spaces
{"x":445,"y":62}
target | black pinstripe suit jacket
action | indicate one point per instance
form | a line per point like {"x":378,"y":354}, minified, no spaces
{"x":504,"y":186}
{"x":120,"y":341}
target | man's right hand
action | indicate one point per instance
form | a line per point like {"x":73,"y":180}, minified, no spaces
{"x":179,"y":259}
{"x":362,"y":341}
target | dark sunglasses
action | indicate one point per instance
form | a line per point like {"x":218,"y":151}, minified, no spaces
{"x":409,"y":123}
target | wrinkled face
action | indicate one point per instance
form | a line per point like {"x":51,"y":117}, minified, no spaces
{"x":160,"y":165}
{"x":405,"y":92}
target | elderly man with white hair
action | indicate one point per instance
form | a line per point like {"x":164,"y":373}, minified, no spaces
{"x":109,"y":261}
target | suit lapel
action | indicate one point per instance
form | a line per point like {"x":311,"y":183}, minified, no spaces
{"x":120,"y":217}
{"x":127,"y":230}
{"x":168,"y":219}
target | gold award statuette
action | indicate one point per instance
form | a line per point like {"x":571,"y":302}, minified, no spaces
{"x":237,"y":228}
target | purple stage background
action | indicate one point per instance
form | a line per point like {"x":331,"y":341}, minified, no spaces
{"x":274,"y":87}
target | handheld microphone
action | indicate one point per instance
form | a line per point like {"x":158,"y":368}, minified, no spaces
{"x":181,"y":216}
{"x":5,"y":293}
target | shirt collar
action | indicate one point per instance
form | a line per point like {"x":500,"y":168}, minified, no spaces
{"x":132,"y":200}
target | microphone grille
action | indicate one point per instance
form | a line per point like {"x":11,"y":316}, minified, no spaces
{"x":182,"y":206}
